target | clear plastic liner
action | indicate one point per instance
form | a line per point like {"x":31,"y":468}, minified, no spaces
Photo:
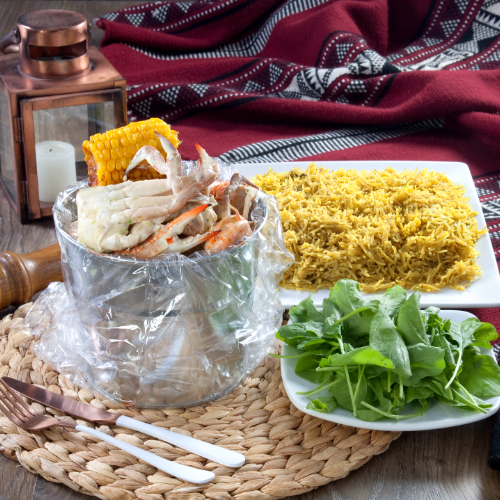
{"x":171,"y":331}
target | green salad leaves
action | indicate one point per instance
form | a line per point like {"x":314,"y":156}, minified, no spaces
{"x":375,"y":355}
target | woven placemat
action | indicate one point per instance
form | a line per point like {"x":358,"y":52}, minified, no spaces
{"x":287,"y":452}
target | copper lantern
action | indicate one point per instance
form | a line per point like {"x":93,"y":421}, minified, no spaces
{"x":56,"y":92}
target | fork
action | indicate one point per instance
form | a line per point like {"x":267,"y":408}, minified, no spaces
{"x":22,"y":415}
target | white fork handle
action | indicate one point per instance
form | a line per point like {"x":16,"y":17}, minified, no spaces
{"x":178,"y":470}
{"x":216,"y":453}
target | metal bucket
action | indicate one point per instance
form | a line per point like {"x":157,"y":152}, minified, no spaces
{"x":171,"y":332}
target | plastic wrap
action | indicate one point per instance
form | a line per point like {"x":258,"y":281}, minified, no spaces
{"x":171,"y":331}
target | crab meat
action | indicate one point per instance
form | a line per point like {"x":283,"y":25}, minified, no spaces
{"x":166,"y":239}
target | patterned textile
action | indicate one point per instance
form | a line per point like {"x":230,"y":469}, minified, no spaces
{"x":274,"y":80}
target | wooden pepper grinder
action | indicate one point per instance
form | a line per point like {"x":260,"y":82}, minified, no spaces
{"x":23,"y":275}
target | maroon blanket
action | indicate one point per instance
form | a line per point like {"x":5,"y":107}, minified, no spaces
{"x":274,"y":80}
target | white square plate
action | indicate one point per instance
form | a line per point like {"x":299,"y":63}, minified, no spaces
{"x":484,"y":291}
{"x":438,"y":416}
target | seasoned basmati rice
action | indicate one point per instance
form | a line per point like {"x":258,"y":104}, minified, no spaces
{"x":414,"y":228}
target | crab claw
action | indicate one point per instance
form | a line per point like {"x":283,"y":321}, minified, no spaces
{"x":152,"y":156}
{"x":207,"y":166}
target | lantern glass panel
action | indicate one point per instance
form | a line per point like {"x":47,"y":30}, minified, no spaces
{"x":6,"y":154}
{"x":72,"y":125}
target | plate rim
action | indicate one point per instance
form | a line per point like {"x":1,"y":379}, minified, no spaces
{"x":387,"y":424}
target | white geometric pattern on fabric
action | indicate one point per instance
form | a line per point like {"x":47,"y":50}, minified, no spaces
{"x":342,"y":99}
{"x":111,"y":16}
{"x":274,"y":73}
{"x":482,"y":32}
{"x":310,"y":84}
{"x":462,"y":5}
{"x":489,"y":16}
{"x":367,"y":62}
{"x":356,"y":87}
{"x":441,"y":60}
{"x":250,"y":46}
{"x":199,"y":88}
{"x":484,"y":192}
{"x":183,"y":6}
{"x":449,"y":26}
{"x":494,"y":57}
{"x":302,"y":147}
{"x":468,"y":48}
{"x":342,"y":50}
{"x":170,"y":95}
{"x":135,"y":19}
{"x":161,"y":13}
{"x":252,"y":87}
{"x":431,"y":41}
{"x":143,"y":107}
{"x":491,"y":209}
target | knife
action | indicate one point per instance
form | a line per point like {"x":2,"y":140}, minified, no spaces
{"x":68,"y":405}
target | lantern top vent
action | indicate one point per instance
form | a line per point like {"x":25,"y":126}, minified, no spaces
{"x":53,"y":43}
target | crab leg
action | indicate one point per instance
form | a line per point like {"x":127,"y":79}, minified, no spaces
{"x":174,"y":163}
{"x":167,"y":235}
{"x":233,"y":229}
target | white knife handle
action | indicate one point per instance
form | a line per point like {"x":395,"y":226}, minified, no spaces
{"x":216,"y":453}
{"x":178,"y":470}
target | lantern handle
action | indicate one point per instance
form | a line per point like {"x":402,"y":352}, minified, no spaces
{"x":10,"y":43}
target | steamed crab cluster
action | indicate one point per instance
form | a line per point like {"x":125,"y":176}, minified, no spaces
{"x":146,"y":218}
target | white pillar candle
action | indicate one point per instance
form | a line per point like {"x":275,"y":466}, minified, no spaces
{"x":56,"y":168}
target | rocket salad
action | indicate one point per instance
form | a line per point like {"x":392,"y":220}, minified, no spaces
{"x":374,"y":355}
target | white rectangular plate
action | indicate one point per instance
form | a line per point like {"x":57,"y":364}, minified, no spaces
{"x":484,"y":291}
{"x":438,"y":416}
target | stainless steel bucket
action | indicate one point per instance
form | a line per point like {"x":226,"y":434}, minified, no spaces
{"x":166,"y":332}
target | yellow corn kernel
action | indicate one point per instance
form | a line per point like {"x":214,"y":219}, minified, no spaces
{"x":113,"y":150}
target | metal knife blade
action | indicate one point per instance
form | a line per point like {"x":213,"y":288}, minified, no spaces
{"x":63,"y":403}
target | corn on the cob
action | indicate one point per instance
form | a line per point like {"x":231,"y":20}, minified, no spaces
{"x":108,"y":155}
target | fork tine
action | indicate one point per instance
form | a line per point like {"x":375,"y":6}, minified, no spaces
{"x":30,"y":412}
{"x":12,"y":407}
{"x":9,"y":415}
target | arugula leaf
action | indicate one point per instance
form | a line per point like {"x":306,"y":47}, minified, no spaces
{"x":392,"y":300}
{"x":425,"y":361}
{"x":418,"y":393}
{"x":361,"y":356}
{"x":340,"y":391}
{"x":347,"y":297}
{"x":386,"y":339}
{"x":480,"y":375}
{"x":293,"y":333}
{"x":463,"y":335}
{"x":484,"y":334}
{"x":317,"y":345}
{"x":322,"y":404}
{"x":305,"y":311}
{"x":306,"y":368}
{"x":410,"y":321}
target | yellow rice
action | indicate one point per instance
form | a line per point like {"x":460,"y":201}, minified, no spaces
{"x":414,"y":228}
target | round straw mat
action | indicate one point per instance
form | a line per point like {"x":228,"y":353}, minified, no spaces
{"x":287,"y":452}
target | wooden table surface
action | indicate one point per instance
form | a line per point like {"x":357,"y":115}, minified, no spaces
{"x":442,"y":464}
